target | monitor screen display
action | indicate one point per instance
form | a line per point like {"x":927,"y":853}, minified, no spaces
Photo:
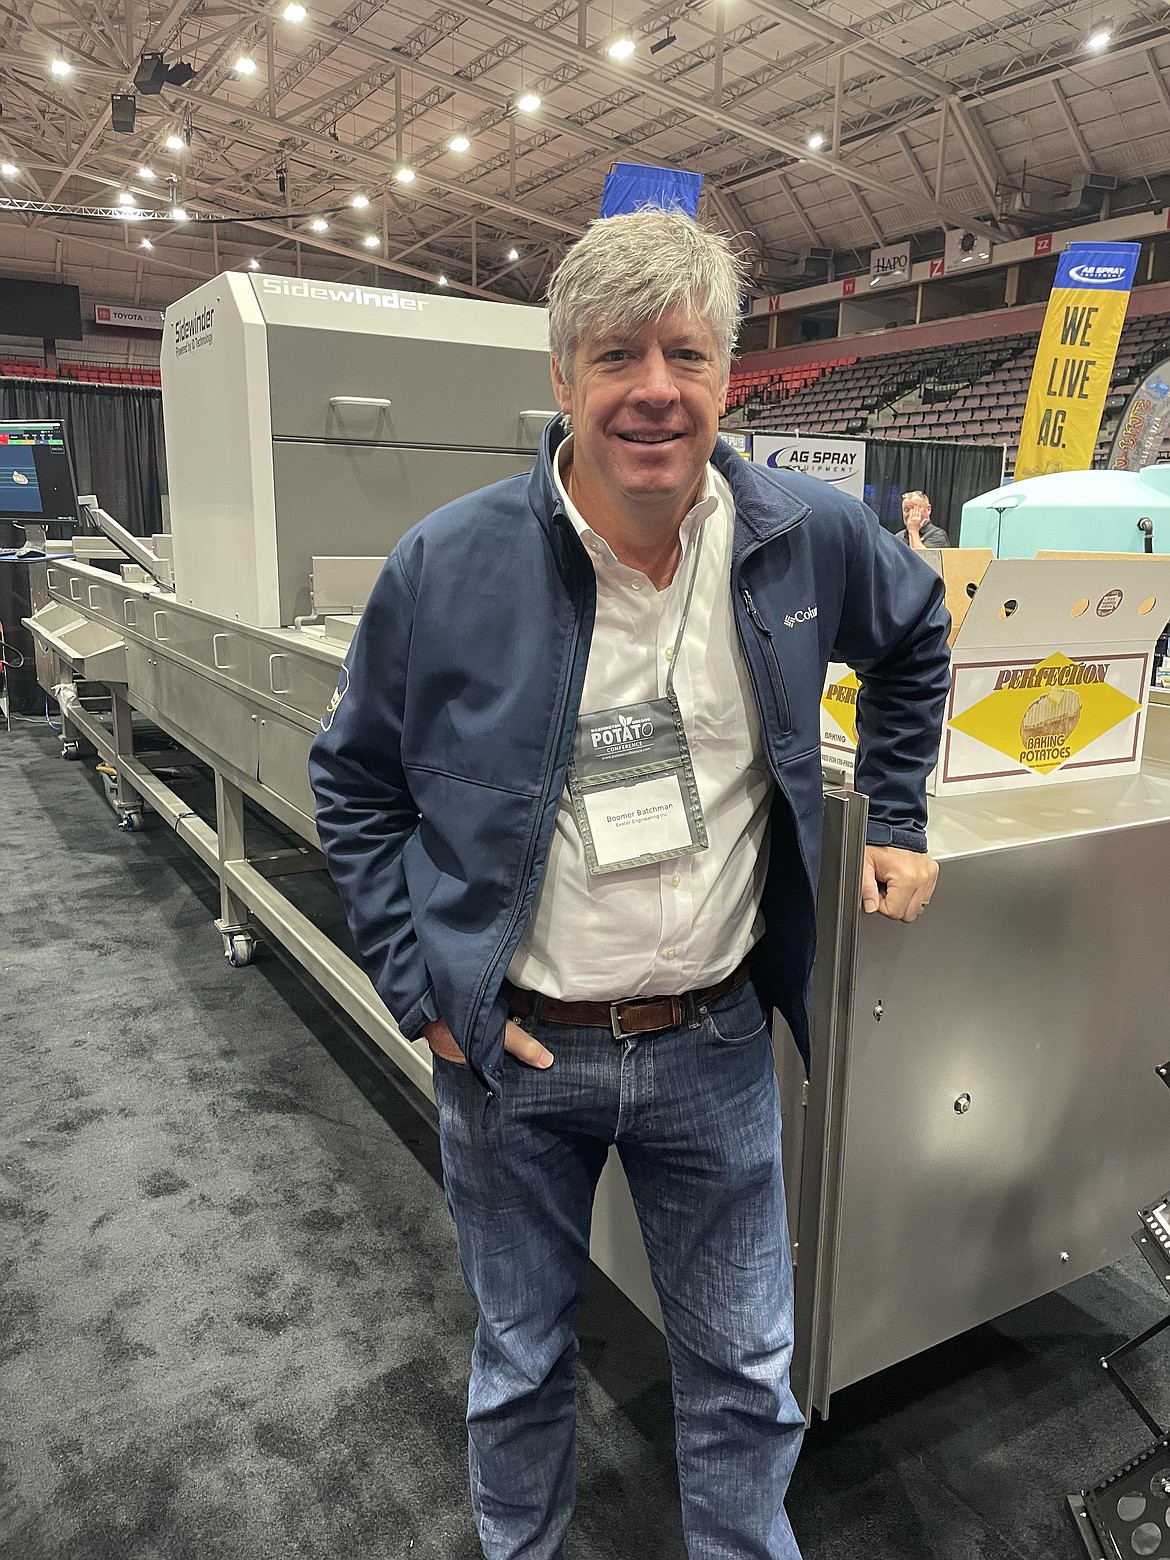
{"x":51,"y":310}
{"x":36,"y":475}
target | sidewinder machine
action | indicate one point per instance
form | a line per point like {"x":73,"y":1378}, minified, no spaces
{"x":982,"y":1115}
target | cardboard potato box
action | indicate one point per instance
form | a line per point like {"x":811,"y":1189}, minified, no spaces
{"x":1050,"y":672}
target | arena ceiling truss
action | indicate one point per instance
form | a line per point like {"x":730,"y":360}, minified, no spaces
{"x":477,"y":132}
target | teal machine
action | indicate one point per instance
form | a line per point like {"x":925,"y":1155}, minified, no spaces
{"x":1073,"y":511}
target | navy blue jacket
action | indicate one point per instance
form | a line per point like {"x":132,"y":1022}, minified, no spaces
{"x":441,"y":761}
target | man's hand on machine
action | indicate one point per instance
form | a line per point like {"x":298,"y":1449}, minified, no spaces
{"x":897,"y":883}
{"x":522,"y":1045}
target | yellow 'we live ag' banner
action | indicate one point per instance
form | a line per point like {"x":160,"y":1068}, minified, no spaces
{"x":1074,"y":359}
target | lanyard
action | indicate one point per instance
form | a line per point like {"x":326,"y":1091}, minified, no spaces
{"x":631,"y":780}
{"x":682,"y":627}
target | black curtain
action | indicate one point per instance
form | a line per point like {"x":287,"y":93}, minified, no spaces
{"x":949,"y":475}
{"x":116,"y":435}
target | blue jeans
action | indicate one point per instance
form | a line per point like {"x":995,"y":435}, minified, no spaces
{"x":695,"y":1115}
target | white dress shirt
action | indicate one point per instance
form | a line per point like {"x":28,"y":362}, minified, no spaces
{"x":670,"y":927}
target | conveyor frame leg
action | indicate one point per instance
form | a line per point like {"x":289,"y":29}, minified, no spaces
{"x":70,"y":734}
{"x":239,"y":942}
{"x":127,"y":802}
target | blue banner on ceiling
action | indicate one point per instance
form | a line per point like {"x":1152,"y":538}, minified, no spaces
{"x":1103,"y":267}
{"x":631,"y":185}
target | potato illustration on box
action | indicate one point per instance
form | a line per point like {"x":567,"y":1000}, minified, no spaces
{"x":1047,"y":725}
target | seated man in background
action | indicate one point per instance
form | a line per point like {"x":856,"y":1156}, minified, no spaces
{"x":916,"y":527}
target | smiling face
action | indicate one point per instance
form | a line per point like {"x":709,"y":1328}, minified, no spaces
{"x":645,"y":402}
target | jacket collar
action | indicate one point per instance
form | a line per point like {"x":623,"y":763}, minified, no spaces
{"x":762,"y":502}
{"x":542,"y":486}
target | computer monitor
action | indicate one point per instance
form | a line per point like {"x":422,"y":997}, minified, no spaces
{"x":36,"y":473}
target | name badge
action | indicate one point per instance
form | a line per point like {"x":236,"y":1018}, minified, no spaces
{"x":633,"y":788}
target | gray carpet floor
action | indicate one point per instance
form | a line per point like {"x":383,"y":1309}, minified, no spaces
{"x":231,"y":1320}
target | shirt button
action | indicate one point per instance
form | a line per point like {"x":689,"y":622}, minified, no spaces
{"x":637,"y":584}
{"x":669,"y":652}
{"x":668,"y":953}
{"x":675,"y":880}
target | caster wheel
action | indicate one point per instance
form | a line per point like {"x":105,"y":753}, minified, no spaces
{"x":239,"y":949}
{"x":71,"y":750}
{"x":131,"y":821}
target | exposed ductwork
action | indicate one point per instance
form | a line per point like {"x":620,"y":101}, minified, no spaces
{"x":809,"y":264}
{"x":1088,"y":196}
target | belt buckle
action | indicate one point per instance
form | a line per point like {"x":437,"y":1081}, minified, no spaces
{"x":677,"y":1013}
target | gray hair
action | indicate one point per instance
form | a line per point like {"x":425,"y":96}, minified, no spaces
{"x":630,"y":269}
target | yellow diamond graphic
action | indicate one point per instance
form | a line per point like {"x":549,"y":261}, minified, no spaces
{"x":1048,"y":712}
{"x":840,"y":700}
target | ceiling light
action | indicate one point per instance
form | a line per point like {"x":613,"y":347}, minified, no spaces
{"x":175,"y":143}
{"x":9,"y":171}
{"x":621,"y":48}
{"x":126,"y":199}
{"x":253,"y":264}
{"x":177,"y":214}
{"x":360,"y":202}
{"x":1100,"y":38}
{"x":245,"y":66}
{"x":513,"y":254}
{"x":294,"y":12}
{"x":815,"y":141}
{"x":405,"y":175}
{"x":371,"y":241}
{"x":146,"y":244}
{"x":146,"y":173}
{"x":442,"y":281}
{"x":459,"y":143}
{"x":61,"y":68}
{"x":529,"y":103}
{"x":662,"y":43}
{"x":319,"y":225}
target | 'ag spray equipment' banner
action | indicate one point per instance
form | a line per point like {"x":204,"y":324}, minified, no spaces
{"x":840,"y":462}
{"x":1144,"y":423}
{"x":1074,"y":359}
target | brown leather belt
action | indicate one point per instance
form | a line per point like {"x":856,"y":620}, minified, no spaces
{"x":635,"y":1016}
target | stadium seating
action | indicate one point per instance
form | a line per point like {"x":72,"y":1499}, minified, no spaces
{"x":24,"y":368}
{"x":748,"y":388}
{"x":974,"y":391}
{"x":84,"y":373}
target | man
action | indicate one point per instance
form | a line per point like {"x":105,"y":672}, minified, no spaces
{"x":570,"y":792}
{"x":917,"y":530}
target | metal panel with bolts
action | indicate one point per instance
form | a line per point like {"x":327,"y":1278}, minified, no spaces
{"x":1003,"y":1117}
{"x":284,"y":765}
